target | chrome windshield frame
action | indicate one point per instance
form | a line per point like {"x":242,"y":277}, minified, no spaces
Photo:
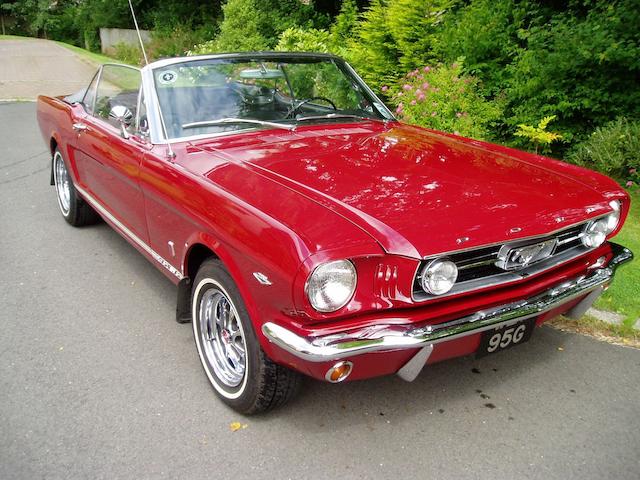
{"x":157,"y":134}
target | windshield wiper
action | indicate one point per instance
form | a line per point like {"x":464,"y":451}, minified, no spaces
{"x":224,"y":121}
{"x":330,"y":116}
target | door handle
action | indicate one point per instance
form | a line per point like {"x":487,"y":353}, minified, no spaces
{"x":79,"y":127}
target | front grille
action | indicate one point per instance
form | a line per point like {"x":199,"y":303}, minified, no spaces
{"x":478,"y":268}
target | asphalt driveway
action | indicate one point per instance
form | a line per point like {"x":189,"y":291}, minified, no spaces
{"x":97,"y":380}
{"x":32,"y":67}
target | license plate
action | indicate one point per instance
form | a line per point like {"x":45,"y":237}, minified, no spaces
{"x":504,"y":337}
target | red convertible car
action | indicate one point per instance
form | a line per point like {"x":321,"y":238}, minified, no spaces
{"x":310,"y":232}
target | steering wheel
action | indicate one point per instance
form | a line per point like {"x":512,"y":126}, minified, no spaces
{"x":307,"y":100}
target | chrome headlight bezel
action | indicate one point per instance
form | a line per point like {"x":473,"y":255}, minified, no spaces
{"x":439,"y":276}
{"x":613,"y":219}
{"x":320,"y":283}
{"x":596,"y":231}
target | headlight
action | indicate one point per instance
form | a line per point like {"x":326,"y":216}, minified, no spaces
{"x":331,"y":285}
{"x":614,"y":217}
{"x":439,"y":276}
{"x":595,"y":233}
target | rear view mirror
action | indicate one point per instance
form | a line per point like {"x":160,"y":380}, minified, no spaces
{"x":123,"y":116}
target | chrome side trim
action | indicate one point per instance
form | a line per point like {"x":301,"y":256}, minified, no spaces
{"x":128,"y":233}
{"x":393,"y":337}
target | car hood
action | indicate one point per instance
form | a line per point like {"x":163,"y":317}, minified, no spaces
{"x":418,"y":192}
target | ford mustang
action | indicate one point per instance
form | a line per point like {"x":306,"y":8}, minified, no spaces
{"x":311,"y":233}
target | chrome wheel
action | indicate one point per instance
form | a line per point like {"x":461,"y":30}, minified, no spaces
{"x":63,"y":183}
{"x":222,"y":337}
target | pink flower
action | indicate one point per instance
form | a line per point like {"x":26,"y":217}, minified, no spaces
{"x":633,"y":171}
{"x":427,"y":69}
{"x":454,"y":65}
{"x":413,"y":102}
{"x":400,"y":108}
{"x":629,"y":183}
{"x":458,"y":114}
{"x":421,"y":97}
{"x":433,"y":114}
{"x":384,"y":88}
{"x":425,"y":85}
{"x":407,"y":87}
{"x":418,"y":91}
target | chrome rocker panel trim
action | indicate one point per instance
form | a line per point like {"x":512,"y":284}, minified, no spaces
{"x":394,"y":337}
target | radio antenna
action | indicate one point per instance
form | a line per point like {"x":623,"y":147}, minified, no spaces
{"x":170,"y":152}
{"x":135,"y":22}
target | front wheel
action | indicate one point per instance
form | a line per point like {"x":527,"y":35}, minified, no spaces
{"x":237,"y":368}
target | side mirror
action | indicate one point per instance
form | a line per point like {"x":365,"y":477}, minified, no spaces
{"x":123,"y":116}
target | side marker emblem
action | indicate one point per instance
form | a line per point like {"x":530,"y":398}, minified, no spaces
{"x":262,"y":278}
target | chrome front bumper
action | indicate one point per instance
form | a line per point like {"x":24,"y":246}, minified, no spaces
{"x":394,"y":337}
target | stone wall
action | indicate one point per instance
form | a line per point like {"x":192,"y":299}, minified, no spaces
{"x":110,"y":37}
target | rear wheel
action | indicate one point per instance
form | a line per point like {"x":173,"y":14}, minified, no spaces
{"x":237,"y":368}
{"x":73,"y":208}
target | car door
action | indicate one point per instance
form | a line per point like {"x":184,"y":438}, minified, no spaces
{"x":108,"y":155}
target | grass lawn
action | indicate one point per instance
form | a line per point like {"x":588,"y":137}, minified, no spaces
{"x":86,"y":54}
{"x":11,"y":37}
{"x":624,"y":294}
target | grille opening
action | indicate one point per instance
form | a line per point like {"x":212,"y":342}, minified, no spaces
{"x":477,"y":268}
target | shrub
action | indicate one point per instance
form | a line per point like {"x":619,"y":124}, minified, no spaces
{"x":345,"y":22}
{"x":176,"y":41}
{"x":612,"y":149}
{"x":393,"y":36}
{"x":241,"y":28}
{"x":485,"y":33}
{"x":582,"y":68}
{"x":372,"y":50}
{"x":539,"y":135}
{"x":443,"y":98}
{"x":257,"y":24}
{"x":127,"y":53}
{"x":296,"y":39}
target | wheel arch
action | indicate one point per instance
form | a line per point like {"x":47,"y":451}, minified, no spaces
{"x":203,"y":248}
{"x":53,"y":144}
{"x":195,"y":256}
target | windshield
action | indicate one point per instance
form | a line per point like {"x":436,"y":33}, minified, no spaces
{"x":201,"y":97}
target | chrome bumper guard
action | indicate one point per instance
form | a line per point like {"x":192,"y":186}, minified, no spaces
{"x":394,"y":337}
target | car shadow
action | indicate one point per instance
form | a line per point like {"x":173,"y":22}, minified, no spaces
{"x":466,"y":380}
